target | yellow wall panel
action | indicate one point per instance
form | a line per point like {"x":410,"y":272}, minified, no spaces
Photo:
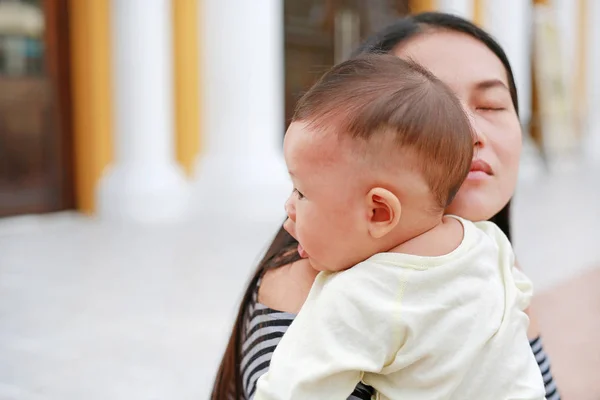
{"x":92,"y":96}
{"x":419,"y":6}
{"x":186,"y":82}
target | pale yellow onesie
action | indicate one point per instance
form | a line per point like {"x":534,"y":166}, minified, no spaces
{"x":448,"y":327}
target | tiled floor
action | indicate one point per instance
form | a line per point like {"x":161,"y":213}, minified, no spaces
{"x":95,"y":311}
{"x":569,"y":317}
{"x":557,"y":222}
{"x":91,"y":310}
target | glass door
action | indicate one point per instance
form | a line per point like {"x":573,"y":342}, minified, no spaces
{"x":320,"y":33}
{"x":34,"y":154}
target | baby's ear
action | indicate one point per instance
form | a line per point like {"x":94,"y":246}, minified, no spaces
{"x":384,"y":210}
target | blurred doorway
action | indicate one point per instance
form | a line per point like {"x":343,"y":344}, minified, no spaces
{"x":35,"y":134}
{"x":320,"y":33}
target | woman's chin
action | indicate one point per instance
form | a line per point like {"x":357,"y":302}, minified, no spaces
{"x":474,"y":206}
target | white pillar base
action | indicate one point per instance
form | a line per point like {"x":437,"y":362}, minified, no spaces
{"x":591,"y":145}
{"x":250,"y":187}
{"x":145,"y":184}
{"x":143,"y":193}
{"x":531,"y":165}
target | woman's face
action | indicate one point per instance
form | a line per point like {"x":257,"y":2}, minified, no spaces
{"x":479,"y":79}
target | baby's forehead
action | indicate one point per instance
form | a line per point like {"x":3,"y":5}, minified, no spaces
{"x":305,"y":145}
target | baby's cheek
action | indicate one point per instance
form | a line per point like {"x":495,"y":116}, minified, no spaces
{"x":307,"y":225}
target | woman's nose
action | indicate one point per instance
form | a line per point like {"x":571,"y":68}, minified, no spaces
{"x":479,"y":138}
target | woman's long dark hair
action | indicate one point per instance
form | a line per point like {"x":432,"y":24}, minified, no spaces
{"x":282,"y":251}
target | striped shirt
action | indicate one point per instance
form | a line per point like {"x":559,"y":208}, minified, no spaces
{"x":264,"y":328}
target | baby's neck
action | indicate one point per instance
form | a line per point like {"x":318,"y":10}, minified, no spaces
{"x":429,"y":238}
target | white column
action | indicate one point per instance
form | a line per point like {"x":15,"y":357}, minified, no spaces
{"x":592,"y":139}
{"x":241,"y":169}
{"x":510,"y":22}
{"x":145,"y":183}
{"x":462,"y":8}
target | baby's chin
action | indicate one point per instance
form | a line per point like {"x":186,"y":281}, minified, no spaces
{"x":326,"y":268}
{"x":317,"y":266}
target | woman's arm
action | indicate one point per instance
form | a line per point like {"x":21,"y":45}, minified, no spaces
{"x":286,"y":288}
{"x":533,"y":332}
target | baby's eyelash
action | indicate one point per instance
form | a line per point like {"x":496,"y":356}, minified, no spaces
{"x":300,"y":195}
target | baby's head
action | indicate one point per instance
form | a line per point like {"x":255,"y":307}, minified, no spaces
{"x":376,"y":150}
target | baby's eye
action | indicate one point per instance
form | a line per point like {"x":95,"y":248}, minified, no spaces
{"x":300,"y":195}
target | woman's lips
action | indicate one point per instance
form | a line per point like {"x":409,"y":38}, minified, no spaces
{"x":479,"y":170}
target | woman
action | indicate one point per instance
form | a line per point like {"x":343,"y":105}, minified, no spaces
{"x":468,"y":60}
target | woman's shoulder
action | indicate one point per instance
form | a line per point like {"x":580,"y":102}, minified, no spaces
{"x":286,"y":288}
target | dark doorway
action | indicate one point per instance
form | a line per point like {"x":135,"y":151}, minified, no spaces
{"x":35,"y":124}
{"x":320,"y":33}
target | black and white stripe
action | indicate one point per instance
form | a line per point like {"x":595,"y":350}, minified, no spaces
{"x":544,"y":363}
{"x":264,"y":330}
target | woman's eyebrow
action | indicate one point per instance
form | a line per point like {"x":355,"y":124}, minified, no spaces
{"x":490,"y":83}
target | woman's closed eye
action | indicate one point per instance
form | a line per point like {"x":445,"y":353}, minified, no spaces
{"x":490,"y":108}
{"x":299,"y":194}
{"x":492,"y":103}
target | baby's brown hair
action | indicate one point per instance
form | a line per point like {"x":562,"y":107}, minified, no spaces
{"x":377,"y":94}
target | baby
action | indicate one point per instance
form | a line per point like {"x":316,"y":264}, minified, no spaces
{"x":415,"y":303}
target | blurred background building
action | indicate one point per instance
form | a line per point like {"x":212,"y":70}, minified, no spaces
{"x":157,"y":126}
{"x":134,"y":109}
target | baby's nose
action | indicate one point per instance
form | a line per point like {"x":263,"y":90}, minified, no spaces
{"x":290,"y":209}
